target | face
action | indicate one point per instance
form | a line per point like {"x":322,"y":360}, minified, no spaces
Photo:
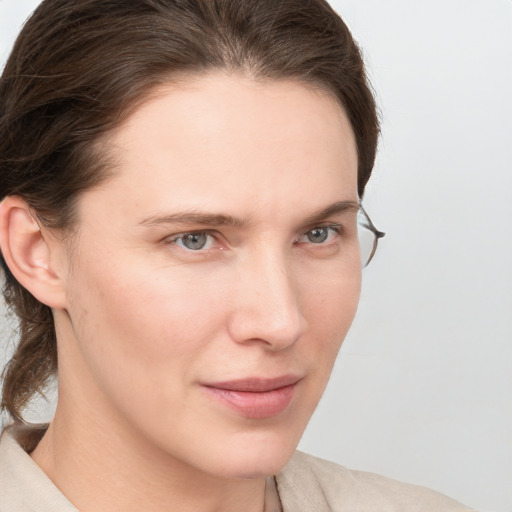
{"x":214,"y":277}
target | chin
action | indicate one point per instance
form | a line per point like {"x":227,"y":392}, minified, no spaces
{"x":256,"y":459}
{"x":260,"y":467}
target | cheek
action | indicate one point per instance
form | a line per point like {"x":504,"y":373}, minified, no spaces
{"x":146,"y":308}
{"x":330,"y":312}
{"x":140,"y":332}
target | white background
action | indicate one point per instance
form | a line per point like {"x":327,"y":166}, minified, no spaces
{"x":423,"y":387}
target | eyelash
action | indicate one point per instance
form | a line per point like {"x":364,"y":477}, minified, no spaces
{"x":191,"y":233}
{"x":334,"y":231}
{"x":333,"y":228}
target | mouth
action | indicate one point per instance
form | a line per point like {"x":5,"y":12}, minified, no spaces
{"x":255,"y":398}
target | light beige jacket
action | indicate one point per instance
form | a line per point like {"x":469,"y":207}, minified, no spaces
{"x":306,"y":484}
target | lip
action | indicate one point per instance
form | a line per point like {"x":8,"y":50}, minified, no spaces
{"x":255,"y":398}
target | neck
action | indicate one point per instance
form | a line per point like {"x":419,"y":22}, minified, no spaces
{"x":79,"y":454}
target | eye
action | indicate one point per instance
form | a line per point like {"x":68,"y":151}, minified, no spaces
{"x":319,"y":234}
{"x":195,"y":241}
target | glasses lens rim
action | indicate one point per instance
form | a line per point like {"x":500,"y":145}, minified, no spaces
{"x":364,"y":221}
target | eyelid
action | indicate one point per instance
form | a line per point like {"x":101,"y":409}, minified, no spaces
{"x":336,"y":226}
{"x":172,"y":239}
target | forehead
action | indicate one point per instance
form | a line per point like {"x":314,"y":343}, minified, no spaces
{"x":230,"y":139}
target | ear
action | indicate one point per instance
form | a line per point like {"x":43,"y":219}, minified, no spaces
{"x":30,"y":252}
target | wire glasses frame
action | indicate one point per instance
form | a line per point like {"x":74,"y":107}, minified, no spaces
{"x":368,"y":236}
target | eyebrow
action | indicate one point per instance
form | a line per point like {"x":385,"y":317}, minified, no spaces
{"x":333,"y":209}
{"x":193,"y":217}
{"x":220,"y":219}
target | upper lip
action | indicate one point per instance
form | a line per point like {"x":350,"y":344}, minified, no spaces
{"x":256,"y":384}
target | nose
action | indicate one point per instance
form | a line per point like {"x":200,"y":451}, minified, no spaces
{"x":266,"y":304}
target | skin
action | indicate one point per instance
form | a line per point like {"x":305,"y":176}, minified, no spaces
{"x":143,"y":322}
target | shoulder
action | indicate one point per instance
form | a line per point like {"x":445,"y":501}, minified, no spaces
{"x":310,"y":483}
{"x":23,"y":485}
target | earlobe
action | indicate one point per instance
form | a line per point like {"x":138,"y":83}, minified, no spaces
{"x":28,"y":254}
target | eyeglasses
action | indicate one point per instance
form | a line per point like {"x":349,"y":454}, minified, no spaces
{"x":368,"y":236}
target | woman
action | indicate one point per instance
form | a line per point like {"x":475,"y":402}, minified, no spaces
{"x":181,"y":185}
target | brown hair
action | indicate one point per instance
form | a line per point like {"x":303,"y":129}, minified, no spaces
{"x":79,"y":66}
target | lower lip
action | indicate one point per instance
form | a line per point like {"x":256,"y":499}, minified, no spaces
{"x":255,"y":405}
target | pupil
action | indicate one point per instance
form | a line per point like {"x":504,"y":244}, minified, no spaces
{"x":194,"y":241}
{"x":317,"y":235}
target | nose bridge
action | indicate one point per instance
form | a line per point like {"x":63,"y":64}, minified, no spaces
{"x":268,"y":306}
